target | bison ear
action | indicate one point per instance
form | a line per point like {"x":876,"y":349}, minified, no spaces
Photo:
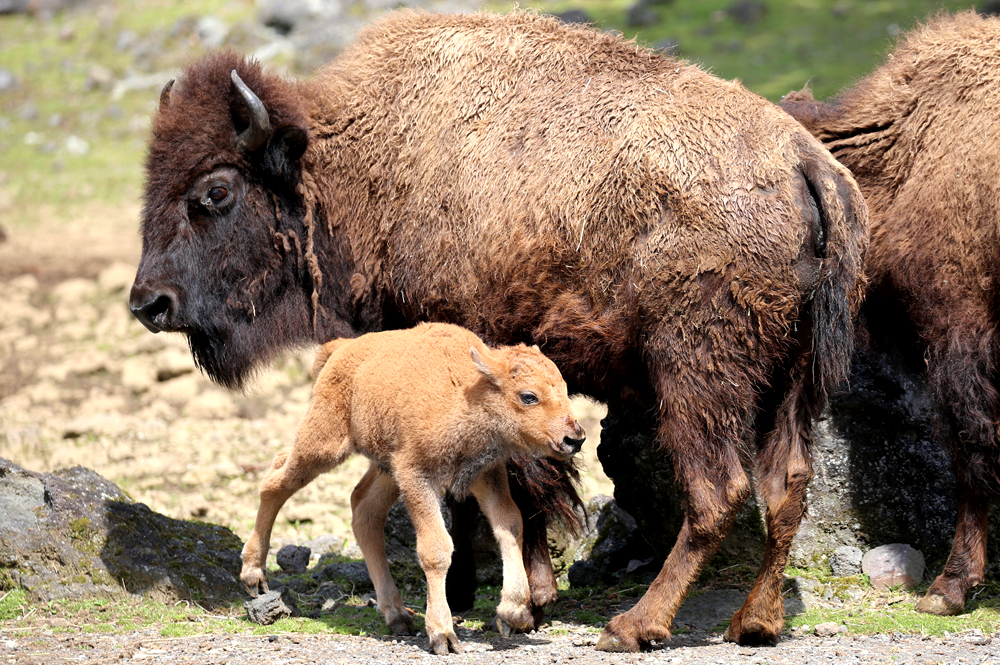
{"x":284,"y":150}
{"x":480,"y":363}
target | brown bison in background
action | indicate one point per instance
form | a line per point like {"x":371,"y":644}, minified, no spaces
{"x":920,"y":135}
{"x":652,"y":228}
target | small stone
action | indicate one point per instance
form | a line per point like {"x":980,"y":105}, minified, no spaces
{"x":828,"y":629}
{"x":641,"y":15}
{"x":846,"y":561}
{"x":747,"y":12}
{"x":893,"y":565}
{"x":293,"y":559}
{"x":99,"y":78}
{"x":270,"y":607}
{"x":575,"y":16}
{"x":7,"y":80}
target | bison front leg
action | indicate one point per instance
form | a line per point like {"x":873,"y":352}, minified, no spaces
{"x":966,"y":565}
{"x":434,"y":553}
{"x":370,"y":503}
{"x":493,"y":494}
{"x":716,"y":486}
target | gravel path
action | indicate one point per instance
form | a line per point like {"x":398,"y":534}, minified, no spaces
{"x":694,"y":648}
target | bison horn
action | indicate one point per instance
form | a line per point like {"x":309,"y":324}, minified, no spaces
{"x":165,"y":94}
{"x":259,"y":130}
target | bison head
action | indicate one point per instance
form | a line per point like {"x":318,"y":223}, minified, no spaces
{"x":225,"y":257}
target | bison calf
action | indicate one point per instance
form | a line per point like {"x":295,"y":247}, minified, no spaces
{"x":432,"y":407}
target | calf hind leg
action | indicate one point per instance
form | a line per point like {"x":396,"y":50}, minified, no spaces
{"x":370,"y":504}
{"x":320,"y":444}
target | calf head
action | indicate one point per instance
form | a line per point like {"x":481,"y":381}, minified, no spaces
{"x":536,"y":399}
{"x":222,"y":230}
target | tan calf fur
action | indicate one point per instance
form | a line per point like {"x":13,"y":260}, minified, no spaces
{"x":433,"y":408}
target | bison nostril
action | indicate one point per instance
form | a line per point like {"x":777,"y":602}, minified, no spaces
{"x":574,"y":444}
{"x":151,"y":310}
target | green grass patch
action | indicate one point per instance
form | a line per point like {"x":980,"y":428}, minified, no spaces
{"x":12,"y":604}
{"x":869,"y":618}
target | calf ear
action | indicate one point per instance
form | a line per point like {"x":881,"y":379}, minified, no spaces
{"x":480,"y":363}
{"x":284,"y":150}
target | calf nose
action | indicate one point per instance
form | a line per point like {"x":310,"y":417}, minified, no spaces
{"x":574,"y":445}
{"x":153,"y":307}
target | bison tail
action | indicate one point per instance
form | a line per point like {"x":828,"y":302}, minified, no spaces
{"x":324,"y":354}
{"x":838,"y":294}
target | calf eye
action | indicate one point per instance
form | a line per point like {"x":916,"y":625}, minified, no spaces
{"x":529,"y":398}
{"x":218,"y":194}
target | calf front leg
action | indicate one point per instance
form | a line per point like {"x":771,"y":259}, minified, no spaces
{"x":493,"y":494}
{"x":370,"y":503}
{"x":434,"y":553}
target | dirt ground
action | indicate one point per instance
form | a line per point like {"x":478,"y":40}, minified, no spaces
{"x":82,"y":382}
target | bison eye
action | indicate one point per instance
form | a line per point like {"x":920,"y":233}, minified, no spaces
{"x":528,"y":398}
{"x":218,"y":194}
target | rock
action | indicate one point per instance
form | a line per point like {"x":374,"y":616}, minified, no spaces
{"x":575,"y":16}
{"x":708,"y":610}
{"x":353,"y":574}
{"x":77,"y":146}
{"x":211,"y":31}
{"x":269,"y":607}
{"x":609,"y":549}
{"x":14,"y":6}
{"x":74,"y":534}
{"x":803,"y":591}
{"x":92,"y":424}
{"x":171,"y":363}
{"x":293,"y":559}
{"x":845,"y":561}
{"x":894,"y":565}
{"x":286,"y":15}
{"x":116,"y":277}
{"x":99,"y":78}
{"x":828,"y":629}
{"x":327,"y":544}
{"x":747,"y":12}
{"x":641,"y":15}
{"x":7,"y":80}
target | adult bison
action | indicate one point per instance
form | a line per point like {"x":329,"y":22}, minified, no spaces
{"x":920,"y":136}
{"x":649,"y":226}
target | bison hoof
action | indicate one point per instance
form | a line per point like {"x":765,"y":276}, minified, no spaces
{"x":750,"y":632}
{"x":935,"y":603}
{"x":254,"y":582}
{"x":617,"y":643}
{"x":444,"y":643}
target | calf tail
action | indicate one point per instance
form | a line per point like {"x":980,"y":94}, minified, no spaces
{"x":838,"y":294}
{"x":324,"y":354}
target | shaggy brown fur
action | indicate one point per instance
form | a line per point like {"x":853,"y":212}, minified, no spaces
{"x":920,"y":136}
{"x":429,"y":417}
{"x":643,"y":222}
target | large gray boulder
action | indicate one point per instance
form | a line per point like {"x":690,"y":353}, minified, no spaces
{"x":74,"y":534}
{"x":881,"y":475}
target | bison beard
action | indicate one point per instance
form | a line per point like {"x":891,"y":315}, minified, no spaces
{"x":654,"y":230}
{"x":919,"y":134}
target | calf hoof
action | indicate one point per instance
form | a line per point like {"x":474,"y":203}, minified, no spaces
{"x":444,"y":643}
{"x":935,"y":603}
{"x":751,"y":632}
{"x":254,"y":581}
{"x":518,"y":618}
